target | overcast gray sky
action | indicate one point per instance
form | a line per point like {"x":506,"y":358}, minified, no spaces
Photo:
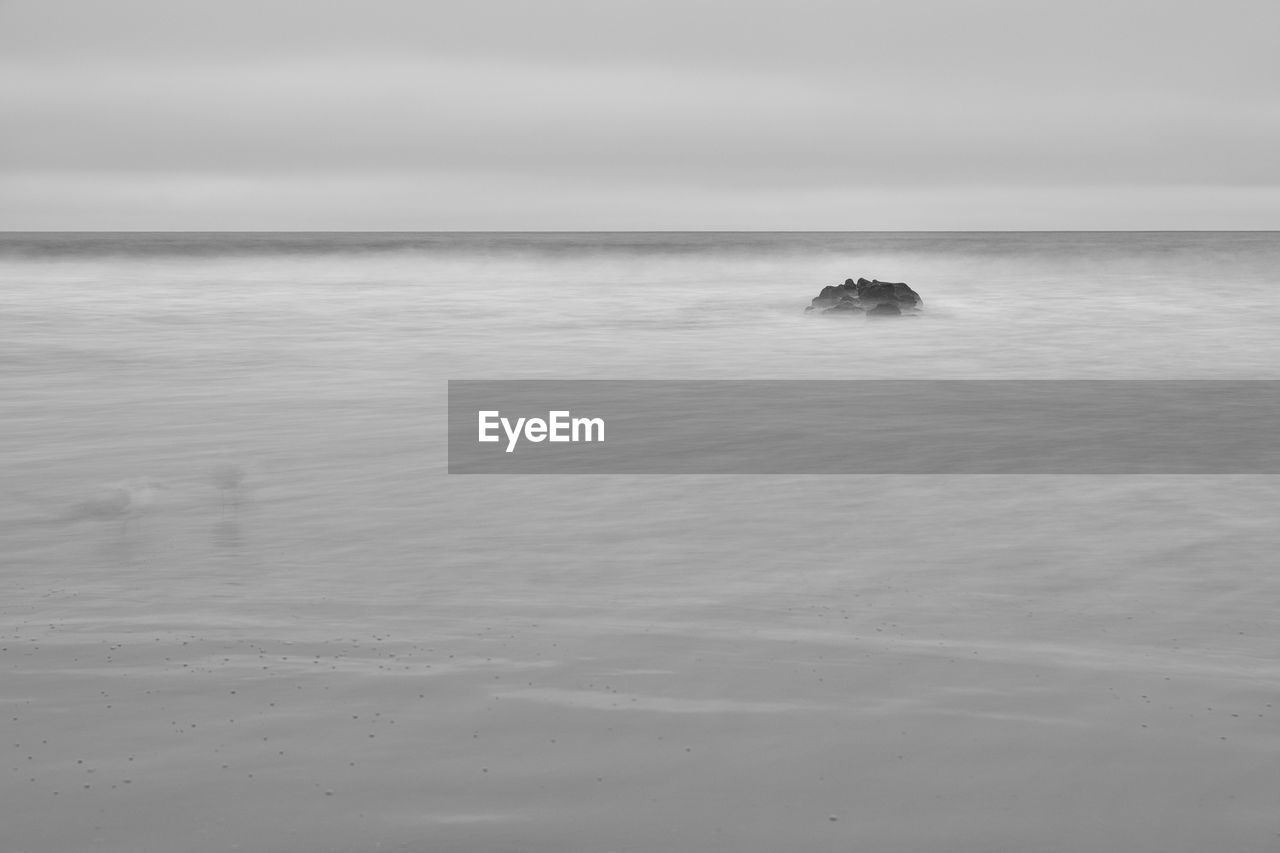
{"x":664,"y":114}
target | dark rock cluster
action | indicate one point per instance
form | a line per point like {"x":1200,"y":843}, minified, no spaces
{"x":870,"y":298}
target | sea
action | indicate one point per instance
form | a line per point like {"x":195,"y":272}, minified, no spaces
{"x":243,"y":605}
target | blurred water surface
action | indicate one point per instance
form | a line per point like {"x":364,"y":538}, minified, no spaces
{"x":230,"y":554}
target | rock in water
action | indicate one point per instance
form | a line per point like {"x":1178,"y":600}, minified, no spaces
{"x":874,"y":298}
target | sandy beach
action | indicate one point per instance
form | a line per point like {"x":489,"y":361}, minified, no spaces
{"x":1048,"y":664}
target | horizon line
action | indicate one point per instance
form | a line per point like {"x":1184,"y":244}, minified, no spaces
{"x":9,"y":231}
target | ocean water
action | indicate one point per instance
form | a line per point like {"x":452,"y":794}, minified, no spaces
{"x":244,"y":606}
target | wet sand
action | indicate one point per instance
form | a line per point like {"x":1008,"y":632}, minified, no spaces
{"x":887,"y":699}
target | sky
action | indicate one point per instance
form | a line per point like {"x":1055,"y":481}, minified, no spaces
{"x":656,"y":115}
